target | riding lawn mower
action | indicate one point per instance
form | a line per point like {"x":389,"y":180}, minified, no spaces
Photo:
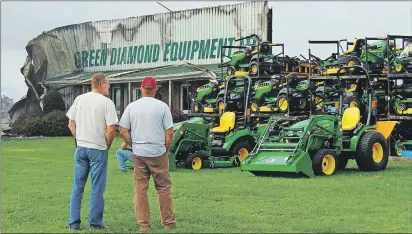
{"x":324,"y":143}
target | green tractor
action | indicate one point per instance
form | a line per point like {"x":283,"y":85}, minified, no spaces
{"x":278,"y":93}
{"x":401,"y":98}
{"x":209,"y":97}
{"x":323,"y":143}
{"x":257,"y":59}
{"x":202,"y":144}
{"x":401,"y":60}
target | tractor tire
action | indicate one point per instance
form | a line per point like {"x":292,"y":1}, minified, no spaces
{"x":230,"y":71}
{"x":324,"y":162}
{"x":400,"y":109}
{"x":197,"y":107}
{"x":254,"y":68}
{"x":302,"y":103}
{"x":351,"y":101}
{"x":193,"y":162}
{"x":283,"y":102}
{"x":241,"y":149}
{"x":372,"y":153}
{"x":352,"y":61}
{"x":395,"y":150}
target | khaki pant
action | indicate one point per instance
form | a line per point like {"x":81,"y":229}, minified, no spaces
{"x":158,"y":167}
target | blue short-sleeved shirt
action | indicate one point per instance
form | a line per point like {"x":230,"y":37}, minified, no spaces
{"x":147,"y":119}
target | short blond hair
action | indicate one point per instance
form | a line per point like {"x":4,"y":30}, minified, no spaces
{"x":98,"y":79}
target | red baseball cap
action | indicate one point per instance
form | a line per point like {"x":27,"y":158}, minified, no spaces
{"x":149,"y":83}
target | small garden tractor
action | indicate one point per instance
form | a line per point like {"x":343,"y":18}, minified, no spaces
{"x":197,"y":145}
{"x":323,"y":143}
{"x":332,"y":61}
{"x":209,"y":97}
{"x":328,"y":92}
{"x":401,"y":60}
{"x":257,"y":60}
{"x":273,"y":96}
{"x":294,"y":96}
{"x":401,"y":98}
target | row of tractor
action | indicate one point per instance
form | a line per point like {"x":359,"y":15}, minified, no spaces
{"x":274,"y":114}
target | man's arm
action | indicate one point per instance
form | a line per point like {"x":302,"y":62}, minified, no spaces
{"x":72,"y":127}
{"x":124,"y":132}
{"x":169,"y":138}
{"x":111,"y":130}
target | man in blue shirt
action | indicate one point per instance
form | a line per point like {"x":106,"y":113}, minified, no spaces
{"x":123,"y":155}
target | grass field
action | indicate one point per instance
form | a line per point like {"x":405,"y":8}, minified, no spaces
{"x":37,"y":178}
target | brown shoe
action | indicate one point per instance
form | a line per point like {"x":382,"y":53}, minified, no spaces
{"x":170,"y":227}
{"x":144,"y":229}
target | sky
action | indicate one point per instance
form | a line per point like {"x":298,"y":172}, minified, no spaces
{"x":294,"y":23}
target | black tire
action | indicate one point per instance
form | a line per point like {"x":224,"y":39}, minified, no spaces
{"x":351,"y":99}
{"x":237,"y":147}
{"x":364,"y":152}
{"x":301,"y":103}
{"x":352,"y":61}
{"x":230,"y":71}
{"x":395,"y":149}
{"x":318,"y":162}
{"x":252,"y":64}
{"x":197,"y":109}
{"x":283,"y":96}
{"x":190,"y":161}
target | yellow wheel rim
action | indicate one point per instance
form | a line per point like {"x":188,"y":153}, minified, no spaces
{"x":351,"y":63}
{"x":254,"y":69}
{"x":398,"y":68}
{"x":243,"y":153}
{"x":328,"y":164}
{"x":400,"y":110}
{"x":221,"y":105}
{"x":283,"y":104}
{"x":196,"y":108}
{"x":377,"y":152}
{"x":283,"y":140}
{"x":196,"y":163}
{"x":253,"y":107}
{"x":398,"y":151}
{"x":353,"y":104}
{"x":318,"y":102}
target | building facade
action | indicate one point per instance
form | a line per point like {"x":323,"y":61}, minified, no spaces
{"x":175,"y":47}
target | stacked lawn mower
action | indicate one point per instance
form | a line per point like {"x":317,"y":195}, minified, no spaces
{"x":271,"y":113}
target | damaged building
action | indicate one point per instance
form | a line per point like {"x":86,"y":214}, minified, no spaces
{"x":182,"y":49}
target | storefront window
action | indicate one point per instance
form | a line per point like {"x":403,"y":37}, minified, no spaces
{"x":185,"y":98}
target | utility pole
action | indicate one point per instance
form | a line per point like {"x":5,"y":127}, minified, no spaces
{"x":164,"y":6}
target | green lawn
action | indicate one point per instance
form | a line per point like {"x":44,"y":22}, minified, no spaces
{"x":37,"y":178}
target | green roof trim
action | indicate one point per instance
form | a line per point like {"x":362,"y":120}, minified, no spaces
{"x":130,"y":74}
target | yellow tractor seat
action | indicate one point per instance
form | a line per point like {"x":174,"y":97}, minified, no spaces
{"x":351,"y":118}
{"x":227,"y":121}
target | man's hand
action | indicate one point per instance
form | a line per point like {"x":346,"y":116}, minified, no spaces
{"x":169,"y":138}
{"x":123,"y":146}
{"x":110,"y":135}
{"x":124,"y":132}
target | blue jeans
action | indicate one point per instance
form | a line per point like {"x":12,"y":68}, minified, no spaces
{"x":94,"y":161}
{"x":122,"y":156}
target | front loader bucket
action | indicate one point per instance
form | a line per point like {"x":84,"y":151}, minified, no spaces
{"x":278,"y":163}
